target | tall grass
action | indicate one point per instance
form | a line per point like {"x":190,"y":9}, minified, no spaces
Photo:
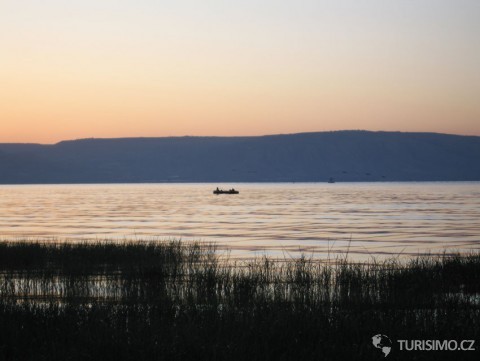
{"x":175,"y":301}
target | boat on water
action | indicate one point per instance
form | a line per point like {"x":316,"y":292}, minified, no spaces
{"x":221,"y":191}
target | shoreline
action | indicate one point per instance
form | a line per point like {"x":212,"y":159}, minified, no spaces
{"x":179,"y":301}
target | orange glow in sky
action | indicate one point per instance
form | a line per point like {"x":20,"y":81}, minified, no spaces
{"x":81,"y":69}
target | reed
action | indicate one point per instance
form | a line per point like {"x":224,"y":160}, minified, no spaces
{"x":180,"y":301}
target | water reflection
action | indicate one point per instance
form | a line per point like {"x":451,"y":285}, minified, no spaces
{"x":278,"y":219}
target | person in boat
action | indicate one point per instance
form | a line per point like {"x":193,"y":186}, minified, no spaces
{"x":218,"y":190}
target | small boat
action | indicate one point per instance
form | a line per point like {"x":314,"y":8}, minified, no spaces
{"x":221,"y":191}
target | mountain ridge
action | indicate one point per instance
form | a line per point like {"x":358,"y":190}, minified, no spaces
{"x":355,"y":155}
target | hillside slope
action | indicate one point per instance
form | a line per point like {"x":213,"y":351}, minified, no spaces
{"x":344,"y":155}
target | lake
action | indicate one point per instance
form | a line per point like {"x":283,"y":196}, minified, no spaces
{"x":281,"y":220}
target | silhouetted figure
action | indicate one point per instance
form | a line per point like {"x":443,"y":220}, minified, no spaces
{"x":221,"y":191}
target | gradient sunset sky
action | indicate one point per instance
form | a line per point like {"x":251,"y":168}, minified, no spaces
{"x":126,"y":68}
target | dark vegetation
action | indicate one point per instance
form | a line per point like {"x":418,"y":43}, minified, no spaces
{"x":174,"y":301}
{"x":308,"y":157}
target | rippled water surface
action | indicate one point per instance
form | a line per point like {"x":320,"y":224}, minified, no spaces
{"x":362,"y":219}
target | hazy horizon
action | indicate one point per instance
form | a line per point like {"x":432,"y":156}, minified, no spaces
{"x":111,"y":69}
{"x":236,"y":136}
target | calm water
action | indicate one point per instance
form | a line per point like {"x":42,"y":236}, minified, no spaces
{"x":277,"y":219}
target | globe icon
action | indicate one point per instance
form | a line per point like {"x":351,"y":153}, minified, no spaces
{"x":383,"y":343}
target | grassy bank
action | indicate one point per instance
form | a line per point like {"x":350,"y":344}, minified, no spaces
{"x":173,"y":301}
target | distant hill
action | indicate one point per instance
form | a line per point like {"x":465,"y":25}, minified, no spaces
{"x":305,"y":157}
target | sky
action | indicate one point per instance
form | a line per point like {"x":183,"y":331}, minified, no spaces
{"x":127,"y":68}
